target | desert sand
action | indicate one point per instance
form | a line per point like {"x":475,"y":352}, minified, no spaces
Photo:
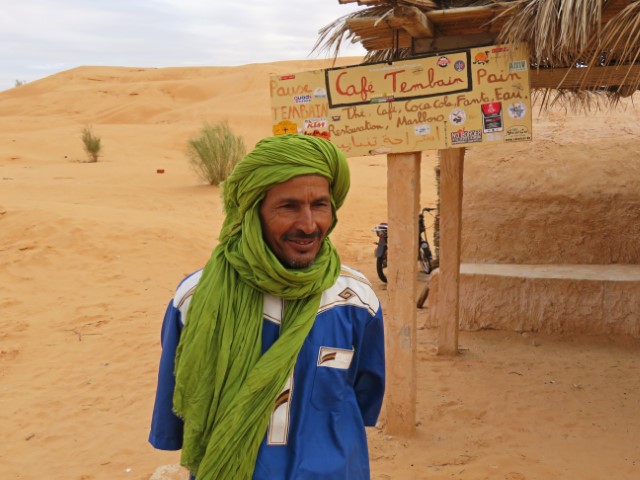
{"x":90,"y":254}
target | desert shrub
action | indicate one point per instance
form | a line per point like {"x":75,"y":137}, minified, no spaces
{"x":19,"y":83}
{"x":215,"y":151}
{"x":91,"y":144}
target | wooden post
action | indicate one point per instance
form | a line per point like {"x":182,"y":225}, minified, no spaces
{"x":451,"y":173}
{"x":403,"y":200}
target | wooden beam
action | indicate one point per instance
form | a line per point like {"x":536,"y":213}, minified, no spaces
{"x":425,"y":4}
{"x":362,"y":2}
{"x":584,"y":79}
{"x":451,"y":173}
{"x":412,"y":20}
{"x":379,"y":35}
{"x":451,"y":22}
{"x":403,"y":199}
{"x":612,"y":8}
{"x":383,"y":43}
{"x":469,"y":20}
{"x":438,"y":44}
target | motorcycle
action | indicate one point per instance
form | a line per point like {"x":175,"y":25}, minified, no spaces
{"x":425,"y":257}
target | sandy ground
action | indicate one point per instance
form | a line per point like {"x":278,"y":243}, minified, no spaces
{"x":91,"y":254}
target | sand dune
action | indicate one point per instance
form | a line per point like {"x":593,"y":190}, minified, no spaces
{"x":91,"y":253}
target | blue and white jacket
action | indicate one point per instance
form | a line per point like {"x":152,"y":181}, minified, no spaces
{"x":317,"y":425}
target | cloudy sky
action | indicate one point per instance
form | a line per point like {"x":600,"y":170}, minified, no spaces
{"x":41,"y":37}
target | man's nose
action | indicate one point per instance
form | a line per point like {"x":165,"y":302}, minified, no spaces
{"x":306,"y":222}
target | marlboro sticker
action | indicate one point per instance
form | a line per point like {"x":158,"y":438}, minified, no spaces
{"x":492,"y":117}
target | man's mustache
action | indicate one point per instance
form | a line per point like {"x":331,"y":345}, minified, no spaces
{"x":300,"y":235}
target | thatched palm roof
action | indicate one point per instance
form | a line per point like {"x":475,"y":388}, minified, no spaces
{"x":576,"y":46}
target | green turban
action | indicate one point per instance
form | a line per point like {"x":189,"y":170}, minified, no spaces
{"x":225,"y":387}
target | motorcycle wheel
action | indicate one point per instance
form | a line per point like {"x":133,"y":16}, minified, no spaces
{"x":381,"y":266}
{"x":424,"y":259}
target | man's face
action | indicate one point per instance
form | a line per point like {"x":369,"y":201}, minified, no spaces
{"x":295,"y":216}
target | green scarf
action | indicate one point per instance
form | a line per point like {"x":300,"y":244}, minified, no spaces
{"x":225,"y":388}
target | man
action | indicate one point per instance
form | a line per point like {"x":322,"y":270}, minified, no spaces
{"x":273,"y":355}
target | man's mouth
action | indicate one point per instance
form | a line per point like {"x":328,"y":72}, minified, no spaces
{"x":302,"y":240}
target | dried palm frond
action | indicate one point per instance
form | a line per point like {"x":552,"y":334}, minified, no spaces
{"x":388,"y":55}
{"x":579,"y":101}
{"x":568,"y":34}
{"x":579,"y":24}
{"x":332,"y":36}
{"x":564,"y":34}
{"x":618,"y":46}
{"x":423,"y":4}
{"x":556,"y":30}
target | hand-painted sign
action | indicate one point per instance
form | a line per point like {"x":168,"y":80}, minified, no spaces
{"x":382,"y":83}
{"x":451,"y":99}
